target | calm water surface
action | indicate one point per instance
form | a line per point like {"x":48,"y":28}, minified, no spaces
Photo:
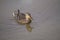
{"x":45,"y":24}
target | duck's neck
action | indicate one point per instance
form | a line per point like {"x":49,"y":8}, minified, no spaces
{"x":18,"y":11}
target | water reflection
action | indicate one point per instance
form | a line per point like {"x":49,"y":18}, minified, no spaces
{"x":28,"y":27}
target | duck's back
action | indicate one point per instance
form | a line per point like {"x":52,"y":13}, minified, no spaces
{"x":21,"y":16}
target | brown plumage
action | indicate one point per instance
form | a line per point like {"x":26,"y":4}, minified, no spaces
{"x":23,"y":18}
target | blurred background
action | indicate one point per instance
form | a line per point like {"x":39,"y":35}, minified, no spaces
{"x":46,"y":20}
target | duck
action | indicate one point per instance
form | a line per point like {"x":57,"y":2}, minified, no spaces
{"x":22,"y":18}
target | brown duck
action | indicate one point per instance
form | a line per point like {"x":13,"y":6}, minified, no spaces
{"x":22,"y":18}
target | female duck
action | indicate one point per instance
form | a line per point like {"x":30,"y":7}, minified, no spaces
{"x":22,"y":18}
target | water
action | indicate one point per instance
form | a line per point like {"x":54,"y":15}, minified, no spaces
{"x":45,"y":24}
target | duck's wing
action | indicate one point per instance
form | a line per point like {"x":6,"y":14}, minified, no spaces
{"x":22,"y":16}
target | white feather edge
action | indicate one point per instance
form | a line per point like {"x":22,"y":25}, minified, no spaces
{"x":13,"y":14}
